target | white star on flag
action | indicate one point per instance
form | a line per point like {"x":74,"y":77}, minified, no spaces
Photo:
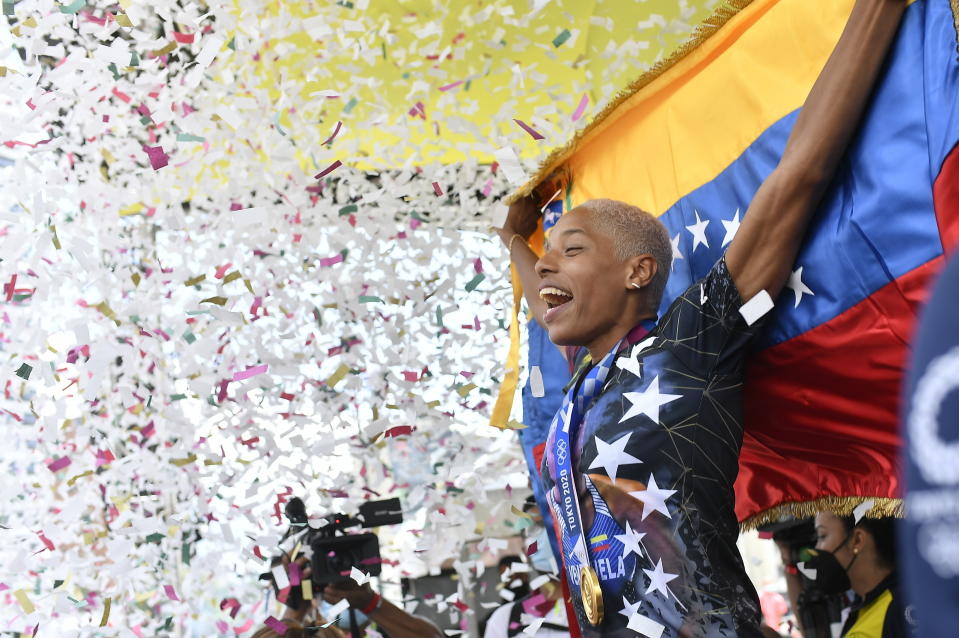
{"x":630,"y":541}
{"x":677,"y":254}
{"x":731,"y":227}
{"x":653,"y":498}
{"x":658,"y":579}
{"x":630,"y":608}
{"x":611,"y":455}
{"x":796,"y":283}
{"x":648,"y":401}
{"x":699,"y":231}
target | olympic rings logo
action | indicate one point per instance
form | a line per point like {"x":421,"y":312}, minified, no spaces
{"x":561,"y":451}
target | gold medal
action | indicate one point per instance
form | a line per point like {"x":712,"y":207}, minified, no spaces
{"x":592,"y":595}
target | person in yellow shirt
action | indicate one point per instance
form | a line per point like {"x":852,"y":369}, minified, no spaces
{"x":861,"y":557}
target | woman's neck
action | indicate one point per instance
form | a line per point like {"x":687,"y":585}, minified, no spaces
{"x":869,"y":579}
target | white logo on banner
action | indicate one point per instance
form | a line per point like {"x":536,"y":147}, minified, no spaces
{"x":934,"y":456}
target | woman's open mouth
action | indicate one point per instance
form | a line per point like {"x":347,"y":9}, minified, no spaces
{"x":556,"y":299}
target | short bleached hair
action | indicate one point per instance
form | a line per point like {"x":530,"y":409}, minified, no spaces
{"x":635,"y":232}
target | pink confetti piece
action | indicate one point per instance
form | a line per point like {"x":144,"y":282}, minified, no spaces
{"x":59,"y":464}
{"x":275,"y":625}
{"x":336,"y":131}
{"x":294,"y":571}
{"x":451,"y":85}
{"x":245,"y":627}
{"x":329,"y":169}
{"x":325,"y":262}
{"x":529,"y":129}
{"x":171,"y":593}
{"x":183,"y":38}
{"x":158,"y":159}
{"x":437,"y":189}
{"x":532,"y":548}
{"x":488,"y":187}
{"x":578,"y":113}
{"x":410,"y":376}
{"x":251,"y":372}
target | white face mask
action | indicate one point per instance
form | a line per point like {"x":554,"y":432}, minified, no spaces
{"x":542,"y":559}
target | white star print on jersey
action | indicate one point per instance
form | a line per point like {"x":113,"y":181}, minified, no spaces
{"x":631,"y":541}
{"x":653,"y":498}
{"x":648,"y":401}
{"x":658,"y":579}
{"x":610,"y":456}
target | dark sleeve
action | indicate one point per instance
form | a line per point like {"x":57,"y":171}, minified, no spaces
{"x":898,"y":622}
{"x":703,"y":327}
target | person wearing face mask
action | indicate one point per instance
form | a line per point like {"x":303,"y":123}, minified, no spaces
{"x":543,"y":602}
{"x":861,"y":557}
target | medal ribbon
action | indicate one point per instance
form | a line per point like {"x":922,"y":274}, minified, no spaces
{"x":565,"y":425}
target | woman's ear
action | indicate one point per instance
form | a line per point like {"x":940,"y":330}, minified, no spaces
{"x":858,"y":541}
{"x":641,"y":270}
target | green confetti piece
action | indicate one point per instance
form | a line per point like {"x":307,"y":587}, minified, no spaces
{"x":185,"y":553}
{"x":189,"y":337}
{"x":475,"y":281}
{"x":155,"y":537}
{"x":24,"y":371}
{"x":73,"y":8}
{"x":369,"y":299}
{"x":189,"y":137}
{"x":232,"y":43}
{"x":114,"y":70}
{"x":177,"y":397}
{"x":439,"y":318}
{"x":563,"y":36}
{"x":134,"y":59}
{"x":348,"y":209}
{"x":349,"y":105}
{"x":8,"y":9}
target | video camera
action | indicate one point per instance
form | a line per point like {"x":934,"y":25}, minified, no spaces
{"x":332,"y":551}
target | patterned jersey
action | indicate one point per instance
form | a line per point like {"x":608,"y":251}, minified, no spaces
{"x":655,"y":457}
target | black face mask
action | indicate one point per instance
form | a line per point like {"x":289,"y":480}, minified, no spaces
{"x":831,"y":577}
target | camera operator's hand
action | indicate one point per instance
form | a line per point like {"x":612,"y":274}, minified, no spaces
{"x":359,"y":596}
{"x":395,"y":621}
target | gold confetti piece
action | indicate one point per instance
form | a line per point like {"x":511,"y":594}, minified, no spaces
{"x":109,"y":158}
{"x":307,"y":586}
{"x":169,"y":48}
{"x":106,"y":611}
{"x":249,"y":286}
{"x":25,"y":603}
{"x":78,"y":477}
{"x":192,"y":281}
{"x":519,"y":512}
{"x":185,"y":461}
{"x":136,"y":279}
{"x":220,"y":301}
{"x":233,"y":276}
{"x":132,"y":209}
{"x":56,"y":240}
{"x":124,"y":20}
{"x":337,"y":376}
{"x":107,"y":312}
{"x":466,"y":389}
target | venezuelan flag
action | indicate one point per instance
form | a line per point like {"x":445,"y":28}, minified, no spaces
{"x":693,"y":139}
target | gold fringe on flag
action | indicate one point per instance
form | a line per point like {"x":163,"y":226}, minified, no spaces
{"x":838,"y":505}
